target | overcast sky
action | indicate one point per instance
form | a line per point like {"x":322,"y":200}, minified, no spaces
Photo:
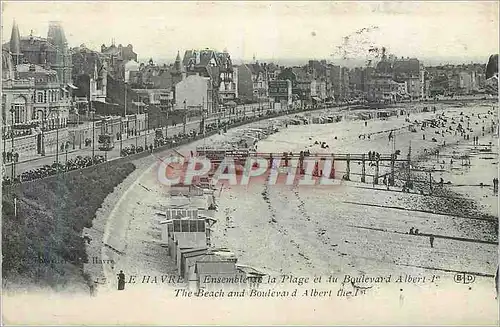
{"x":276,"y":30}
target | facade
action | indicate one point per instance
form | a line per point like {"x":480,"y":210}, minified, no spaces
{"x":50,"y":101}
{"x":228,"y":75}
{"x":335,"y":81}
{"x":194,"y":93}
{"x":90,"y":75}
{"x":229,"y":86}
{"x":345,"y":90}
{"x":129,"y":68}
{"x":259,"y":81}
{"x":17,"y":99}
{"x":382,"y":88}
{"x":34,"y":106}
{"x":206,"y":63}
{"x":245,"y":82}
{"x":280,"y":91}
{"x":159,"y":97}
{"x":51,"y":52}
{"x":318,"y":89}
{"x":414,"y":89}
{"x":117,"y":56}
{"x":253,"y":81}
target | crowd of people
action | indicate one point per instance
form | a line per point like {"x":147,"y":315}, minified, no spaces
{"x":10,"y":156}
{"x":49,"y":170}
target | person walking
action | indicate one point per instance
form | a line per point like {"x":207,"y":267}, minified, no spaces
{"x":121,"y":281}
{"x":431,"y":240}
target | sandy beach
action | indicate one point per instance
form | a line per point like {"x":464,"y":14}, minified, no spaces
{"x":349,"y":228}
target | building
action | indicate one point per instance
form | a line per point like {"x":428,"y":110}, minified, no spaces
{"x":161,"y":98}
{"x":228,"y":89}
{"x":206,"y":64}
{"x":130,"y":67}
{"x":90,"y":76}
{"x":49,"y":99}
{"x":280,"y":92}
{"x":194,"y":93}
{"x":51,"y":52}
{"x":382,"y":88}
{"x":18,"y":115}
{"x":253,"y":82}
{"x":245,"y":83}
{"x":34,"y":106}
{"x":345,"y":89}
{"x":335,"y":81}
{"x":117,"y":57}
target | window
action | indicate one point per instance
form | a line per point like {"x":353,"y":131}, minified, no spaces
{"x":39,"y":97}
{"x":19,"y":113}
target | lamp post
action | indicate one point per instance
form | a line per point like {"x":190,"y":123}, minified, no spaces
{"x":125,"y":106}
{"x":185,"y":117}
{"x":13,"y":172}
{"x":42,"y":145}
{"x":124,"y":114}
{"x":136,"y":136}
{"x":93,"y":135}
{"x":146,"y":122}
{"x":121,"y":136}
{"x":57,"y":139}
{"x":66,"y":149}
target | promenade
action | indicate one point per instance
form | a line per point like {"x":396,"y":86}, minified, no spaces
{"x":146,"y":138}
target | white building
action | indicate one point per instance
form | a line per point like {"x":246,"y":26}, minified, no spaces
{"x":194,"y":93}
{"x":228,"y":89}
{"x":130,"y":66}
{"x":98,"y":90}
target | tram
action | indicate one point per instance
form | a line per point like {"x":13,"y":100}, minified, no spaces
{"x":106,"y":142}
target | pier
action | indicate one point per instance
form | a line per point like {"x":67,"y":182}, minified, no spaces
{"x":240,"y":155}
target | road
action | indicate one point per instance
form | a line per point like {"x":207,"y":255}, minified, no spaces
{"x":139,"y":140}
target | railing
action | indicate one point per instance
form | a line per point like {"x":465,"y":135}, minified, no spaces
{"x":18,"y":83}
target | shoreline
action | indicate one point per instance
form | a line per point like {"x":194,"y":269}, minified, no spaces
{"x":235,"y":194}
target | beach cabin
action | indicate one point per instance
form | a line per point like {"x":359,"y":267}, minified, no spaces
{"x":188,"y":258}
{"x":213,"y":272}
{"x":194,"y":237}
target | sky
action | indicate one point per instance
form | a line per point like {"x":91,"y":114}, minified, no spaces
{"x":270,"y":30}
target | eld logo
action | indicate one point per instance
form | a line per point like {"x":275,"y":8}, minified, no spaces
{"x":464,"y":278}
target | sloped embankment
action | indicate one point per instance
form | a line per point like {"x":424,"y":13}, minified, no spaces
{"x":42,"y":245}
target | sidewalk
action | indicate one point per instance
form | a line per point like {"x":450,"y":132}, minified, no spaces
{"x":126,"y":141}
{"x":47,"y":155}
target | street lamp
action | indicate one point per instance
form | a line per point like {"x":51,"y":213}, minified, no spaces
{"x":66,"y":146}
{"x":43,"y":119}
{"x":121,"y":137}
{"x":57,"y":138}
{"x":135,"y":132}
{"x":185,"y":117}
{"x":12,"y":111}
{"x":93,"y":134}
{"x":146,"y":121}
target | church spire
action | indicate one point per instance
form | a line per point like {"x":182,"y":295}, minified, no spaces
{"x":15,"y":40}
{"x":177,"y":64}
